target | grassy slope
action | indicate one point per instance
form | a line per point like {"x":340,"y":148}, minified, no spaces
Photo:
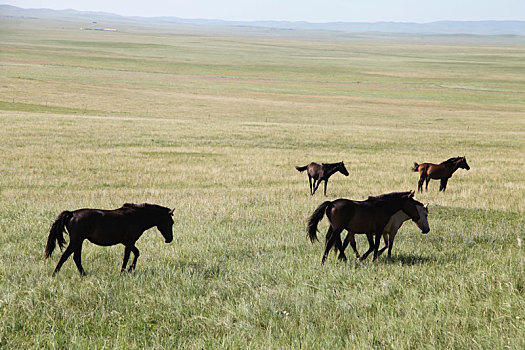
{"x":214,"y":125}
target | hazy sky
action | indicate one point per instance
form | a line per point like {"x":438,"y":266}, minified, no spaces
{"x":299,"y":10}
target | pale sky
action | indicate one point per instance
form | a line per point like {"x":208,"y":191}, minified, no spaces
{"x":299,"y":10}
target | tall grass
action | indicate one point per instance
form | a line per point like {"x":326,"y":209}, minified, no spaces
{"x":214,"y":125}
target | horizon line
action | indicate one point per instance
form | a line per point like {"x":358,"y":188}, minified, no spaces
{"x":258,"y":20}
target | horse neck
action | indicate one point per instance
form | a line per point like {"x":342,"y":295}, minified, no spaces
{"x":331,"y":169}
{"x":398,"y":219}
{"x":402,"y":209}
{"x":395,"y":221}
{"x":392,"y":207}
{"x":149,"y":217}
{"x":453,"y":167}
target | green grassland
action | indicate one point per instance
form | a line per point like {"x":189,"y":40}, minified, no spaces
{"x":213,"y":121}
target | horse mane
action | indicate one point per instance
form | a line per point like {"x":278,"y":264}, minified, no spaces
{"x":143,"y":206}
{"x":389,"y":199}
{"x":331,"y":164}
{"x":451,"y":160}
{"x":134,"y":205}
{"x":388,"y":196}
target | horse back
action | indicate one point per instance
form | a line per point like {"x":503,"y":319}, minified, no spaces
{"x":84,"y":217}
{"x":437,"y":171}
{"x":423,"y":167}
{"x":358,"y":216}
{"x":104,"y":227}
{"x":314,"y":170}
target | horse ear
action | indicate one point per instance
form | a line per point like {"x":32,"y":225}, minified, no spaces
{"x":411,"y":195}
{"x":425,"y":206}
{"x":171,"y":211}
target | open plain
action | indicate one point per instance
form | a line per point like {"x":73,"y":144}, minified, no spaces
{"x":212,"y":121}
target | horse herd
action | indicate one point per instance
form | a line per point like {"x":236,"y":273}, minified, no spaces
{"x":378,"y":216}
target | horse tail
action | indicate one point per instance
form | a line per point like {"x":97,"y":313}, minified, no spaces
{"x":56,"y":232}
{"x":315,"y":218}
{"x":301,"y":168}
{"x":415,"y":167}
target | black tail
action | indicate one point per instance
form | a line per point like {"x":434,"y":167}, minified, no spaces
{"x":301,"y":168}
{"x":315,"y":218}
{"x":415,"y":167}
{"x":56,"y":232}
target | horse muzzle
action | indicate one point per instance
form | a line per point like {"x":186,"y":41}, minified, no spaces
{"x":426,"y":230}
{"x":169,"y":240}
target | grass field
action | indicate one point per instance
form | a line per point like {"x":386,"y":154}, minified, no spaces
{"x":213,"y":123}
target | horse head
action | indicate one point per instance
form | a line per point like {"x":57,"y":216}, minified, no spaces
{"x":165,"y":226}
{"x":423,"y":214}
{"x":342,"y":169}
{"x":463,"y":163}
{"x":417,"y":212}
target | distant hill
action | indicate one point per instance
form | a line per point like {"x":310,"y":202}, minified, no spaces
{"x":440,"y":27}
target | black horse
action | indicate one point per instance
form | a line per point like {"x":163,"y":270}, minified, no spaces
{"x":108,"y":227}
{"x":369,"y":217}
{"x":320,"y":172}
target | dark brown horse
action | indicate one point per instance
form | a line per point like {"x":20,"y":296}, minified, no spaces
{"x":108,"y":227}
{"x":321,"y":172}
{"x":369,"y":217}
{"x":389,"y":233}
{"x":442,"y":171}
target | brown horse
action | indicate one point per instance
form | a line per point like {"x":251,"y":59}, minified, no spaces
{"x":108,"y":227}
{"x":389,"y":233}
{"x":321,"y":172}
{"x":442,"y":171}
{"x":369,"y":217}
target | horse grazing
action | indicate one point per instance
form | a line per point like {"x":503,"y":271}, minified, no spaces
{"x":442,"y":171}
{"x":389,"y":234}
{"x":321,"y":172}
{"x":369,"y":217}
{"x":107,"y":227}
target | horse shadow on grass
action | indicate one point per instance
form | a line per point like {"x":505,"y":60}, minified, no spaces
{"x":408,"y":259}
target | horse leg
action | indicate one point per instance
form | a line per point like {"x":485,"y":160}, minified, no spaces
{"x":420,"y":184}
{"x":342,"y":255}
{"x":444,"y":184}
{"x":310,"y":181}
{"x":316,"y":185}
{"x":134,"y":263}
{"x":75,"y":243}
{"x":370,"y":238}
{"x":376,"y":247}
{"x":325,"y":183}
{"x":385,"y":239}
{"x":329,"y":244}
{"x":350,"y":238}
{"x":341,"y":249}
{"x":427,"y":180}
{"x":77,"y":257}
{"x":328,"y":234}
{"x":69,"y":250}
{"x":127,"y":250}
{"x":391,"y":243}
